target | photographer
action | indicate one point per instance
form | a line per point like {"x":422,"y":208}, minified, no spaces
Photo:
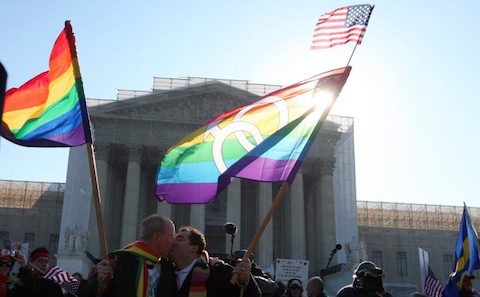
{"x":367,"y":282}
{"x":32,"y":283}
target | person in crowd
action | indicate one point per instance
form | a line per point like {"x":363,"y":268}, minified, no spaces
{"x":197,"y":277}
{"x":31,"y":281}
{"x":294,"y":288}
{"x":267,"y":285}
{"x":6,"y":263}
{"x":135,"y":270}
{"x":367,"y":282}
{"x":316,"y":287}
{"x":467,"y":290}
{"x":281,"y":289}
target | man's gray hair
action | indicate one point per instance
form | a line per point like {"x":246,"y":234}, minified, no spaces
{"x":152,"y":224}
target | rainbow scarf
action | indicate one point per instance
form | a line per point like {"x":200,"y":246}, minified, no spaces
{"x":143,"y":254}
{"x":200,"y":274}
{"x":49,"y":110}
{"x":266,"y":140}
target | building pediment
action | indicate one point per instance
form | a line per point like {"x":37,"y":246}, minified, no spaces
{"x":197,"y":103}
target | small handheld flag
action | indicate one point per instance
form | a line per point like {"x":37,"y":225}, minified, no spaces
{"x":64,"y":279}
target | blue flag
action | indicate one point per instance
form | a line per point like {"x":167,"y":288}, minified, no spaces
{"x":466,"y":256}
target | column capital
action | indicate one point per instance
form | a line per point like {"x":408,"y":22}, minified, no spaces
{"x":102,"y":151}
{"x":135,"y":153}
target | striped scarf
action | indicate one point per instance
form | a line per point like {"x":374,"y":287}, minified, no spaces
{"x":200,"y":274}
{"x":143,"y":254}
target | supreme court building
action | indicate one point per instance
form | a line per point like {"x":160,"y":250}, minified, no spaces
{"x":133,"y":132}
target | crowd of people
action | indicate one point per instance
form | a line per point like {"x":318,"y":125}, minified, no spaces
{"x":168,"y":263}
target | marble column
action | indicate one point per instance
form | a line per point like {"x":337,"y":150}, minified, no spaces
{"x":197,"y":216}
{"x":264,"y":254}
{"x":132,"y":190}
{"x":297,"y":219}
{"x":102,"y":153}
{"x":234,"y":206}
{"x":164,"y":209}
{"x":326,"y":211}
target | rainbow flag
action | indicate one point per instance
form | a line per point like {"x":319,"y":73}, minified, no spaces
{"x":49,"y":110}
{"x":266,"y":140}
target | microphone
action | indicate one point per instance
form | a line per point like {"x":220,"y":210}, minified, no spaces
{"x":332,"y":253}
{"x":230,"y":228}
{"x":337,"y":248}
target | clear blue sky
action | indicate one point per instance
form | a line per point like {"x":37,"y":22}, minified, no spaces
{"x":413,"y":90}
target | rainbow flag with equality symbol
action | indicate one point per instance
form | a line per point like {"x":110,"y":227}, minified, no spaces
{"x":266,"y":140}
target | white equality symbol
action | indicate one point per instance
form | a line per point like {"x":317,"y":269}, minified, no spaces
{"x":239,"y":126}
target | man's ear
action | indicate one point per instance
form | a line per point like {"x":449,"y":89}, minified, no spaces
{"x":157,"y":236}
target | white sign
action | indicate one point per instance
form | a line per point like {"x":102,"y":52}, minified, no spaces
{"x":287,"y":269}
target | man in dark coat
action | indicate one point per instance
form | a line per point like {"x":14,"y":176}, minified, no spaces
{"x":367,"y":282}
{"x":31,"y":282}
{"x":196,"y":275}
{"x":140,"y":269}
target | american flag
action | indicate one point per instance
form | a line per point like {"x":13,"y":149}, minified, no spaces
{"x":342,"y":25}
{"x":65,"y":280}
{"x":433,"y":287}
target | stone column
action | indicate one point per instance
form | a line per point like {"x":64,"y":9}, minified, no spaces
{"x":197,"y":216}
{"x":264,"y":254}
{"x":234,"y":206}
{"x":132,"y":188}
{"x":326,"y":212}
{"x":164,"y":209}
{"x":297,"y":219}
{"x":102,"y":153}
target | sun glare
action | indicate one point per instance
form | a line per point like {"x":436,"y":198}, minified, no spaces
{"x":324,"y":99}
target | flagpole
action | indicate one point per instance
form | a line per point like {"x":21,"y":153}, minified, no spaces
{"x":96,"y":200}
{"x":90,"y":149}
{"x":348,"y":63}
{"x":256,"y":238}
{"x":356,"y":43}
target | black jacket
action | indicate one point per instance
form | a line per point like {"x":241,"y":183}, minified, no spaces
{"x":218,"y":284}
{"x":123,"y":283}
{"x":33,"y":286}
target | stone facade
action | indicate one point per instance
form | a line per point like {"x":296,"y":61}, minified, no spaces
{"x":406,"y":227}
{"x":30,"y":212}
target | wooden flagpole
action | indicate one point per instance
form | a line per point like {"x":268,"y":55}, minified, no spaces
{"x":90,"y":149}
{"x":96,"y":200}
{"x":253,"y":244}
{"x":276,"y":202}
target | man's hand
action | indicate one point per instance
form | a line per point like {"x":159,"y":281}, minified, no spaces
{"x":104,"y":271}
{"x":20,"y":258}
{"x":242,"y":271}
